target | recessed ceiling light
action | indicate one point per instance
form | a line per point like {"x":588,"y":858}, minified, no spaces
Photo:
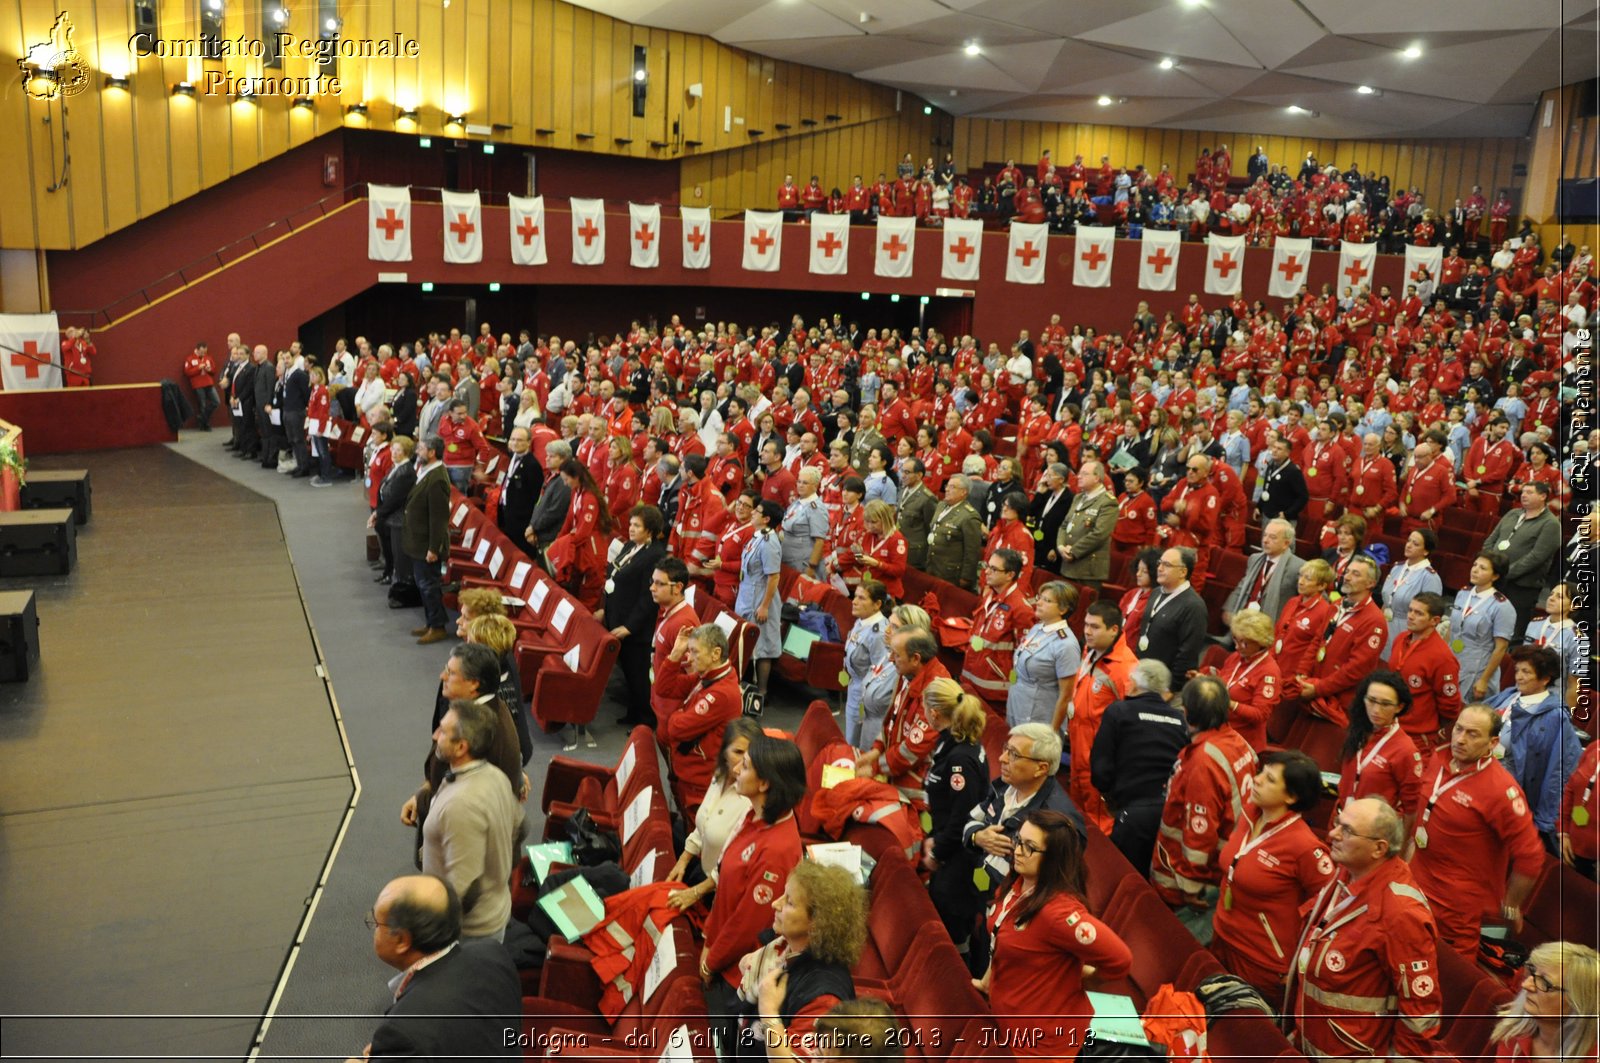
{"x":1104,"y":101}
{"x":1192,"y":3}
{"x":640,"y":75}
{"x":1365,"y":90}
{"x":973,"y":49}
{"x":1295,"y":108}
{"x":1413,"y":52}
{"x":1167,"y":64}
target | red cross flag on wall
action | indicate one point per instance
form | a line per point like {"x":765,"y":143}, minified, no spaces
{"x":644,"y":235}
{"x":895,"y":243}
{"x":588,"y":232}
{"x":30,"y":351}
{"x":1158,"y":261}
{"x":1291,"y":259}
{"x":1422,"y":268}
{"x":1224,"y":264}
{"x":463,"y":227}
{"x":388,"y":223}
{"x":527,"y":230}
{"x":696,"y":237}
{"x":963,"y":240}
{"x":830,"y":243}
{"x":1355,"y":266}
{"x":1092,"y":252}
{"x":763,"y":240}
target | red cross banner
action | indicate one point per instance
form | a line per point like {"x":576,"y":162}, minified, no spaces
{"x":1091,"y":256}
{"x":30,"y":352}
{"x":895,"y":243}
{"x":1355,"y":265}
{"x":1291,"y":259}
{"x":644,"y":235}
{"x":1025,"y":252}
{"x":1422,"y":268}
{"x":527,"y":231}
{"x":1224,"y":264}
{"x":963,"y":240}
{"x":1158,"y":260}
{"x":763,"y":240}
{"x":463,"y":227}
{"x":696,"y":237}
{"x":830,"y":243}
{"x":588,"y":232}
{"x":388,"y":223}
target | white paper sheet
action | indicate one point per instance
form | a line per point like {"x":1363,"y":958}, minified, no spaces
{"x":468,"y":539}
{"x":458,"y":516}
{"x":630,"y":757}
{"x":559,"y":618}
{"x":496,"y":559}
{"x":540,"y":590}
{"x":637,"y":812}
{"x":571,"y":658}
{"x":519,"y":573}
{"x":482,"y":552}
{"x":663,"y":963}
{"x":645,"y":873}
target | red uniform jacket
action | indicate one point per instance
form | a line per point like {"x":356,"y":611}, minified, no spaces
{"x":198,"y":368}
{"x":891,"y":552}
{"x":1372,"y":483}
{"x":751,"y":873}
{"x":998,"y":626}
{"x":1197,"y":524}
{"x":693,"y":732}
{"x":1324,"y":469}
{"x":1580,"y":800}
{"x":1388,"y":766}
{"x":1266,"y":884}
{"x":1477,"y":827}
{"x":1431,"y":488}
{"x":622,"y":491}
{"x":1101,"y":681}
{"x":908,"y":734}
{"x":1491,"y":466}
{"x":669,"y":683}
{"x":1037,"y":977}
{"x":1430,"y":670}
{"x":464,"y":445}
{"x":1205,"y":798}
{"x":1254,"y":685}
{"x":1345,"y":657}
{"x":1299,"y":634}
{"x":1368,"y":981}
{"x":701,"y":514}
{"x":1136,"y":521}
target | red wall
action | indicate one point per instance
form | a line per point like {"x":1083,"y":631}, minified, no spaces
{"x":268,"y":296}
{"x":94,"y":277}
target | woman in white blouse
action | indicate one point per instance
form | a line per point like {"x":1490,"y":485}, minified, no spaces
{"x":719,"y":813}
{"x":371,"y":393}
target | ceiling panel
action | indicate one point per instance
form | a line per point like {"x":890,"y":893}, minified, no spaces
{"x":1239,"y":62}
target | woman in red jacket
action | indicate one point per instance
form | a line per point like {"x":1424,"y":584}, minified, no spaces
{"x":1047,"y":945}
{"x":622,"y":480}
{"x":578,"y":556}
{"x":1136,"y":512}
{"x":1553,"y":1015}
{"x":1011,"y":533}
{"x":318,"y":410}
{"x":1251,"y":676}
{"x":752,"y":872}
{"x":724,"y":564}
{"x":1379,"y":759}
{"x":1137,"y":599}
{"x":1303,"y":625}
{"x":884,"y":553}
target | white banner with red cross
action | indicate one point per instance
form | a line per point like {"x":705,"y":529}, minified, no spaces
{"x":696,"y":237}
{"x":388,"y":223}
{"x":527,"y":231}
{"x":1093,"y":249}
{"x":1422,"y":268}
{"x":1290,"y":259}
{"x":1025,"y":252}
{"x":1158,"y":260}
{"x":463,"y":227}
{"x":895,"y":245}
{"x":644,"y":235}
{"x":963,"y":241}
{"x":1355,"y":265}
{"x":30,"y":352}
{"x":1224,"y":264}
{"x":588,"y":232}
{"x":763,"y":240}
{"x":830,"y":243}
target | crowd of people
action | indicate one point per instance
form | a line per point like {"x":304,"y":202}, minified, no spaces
{"x":1412,"y":624}
{"x":1318,"y":201}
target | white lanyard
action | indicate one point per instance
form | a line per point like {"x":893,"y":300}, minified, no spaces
{"x":1472,"y":603}
{"x":1439,"y":791}
{"x":1156,"y":607}
{"x":1250,"y":845}
{"x":1404,"y":573}
{"x":1240,"y":670}
{"x":1090,"y":659}
{"x":731,"y":533}
{"x":1362,"y":762}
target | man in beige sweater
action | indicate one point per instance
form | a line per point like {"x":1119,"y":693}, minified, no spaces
{"x":467,"y":838}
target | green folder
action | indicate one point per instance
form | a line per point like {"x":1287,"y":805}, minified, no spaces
{"x":798,"y":642}
{"x":1116,"y":1019}
{"x":542,"y":856}
{"x":574,"y":907}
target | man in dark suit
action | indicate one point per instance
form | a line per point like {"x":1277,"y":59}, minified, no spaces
{"x":1174,"y":629}
{"x":388,"y":518}
{"x":519,"y":490}
{"x":551,"y":510}
{"x":1049,"y":509}
{"x":451,"y":1001}
{"x":265,"y":384}
{"x":1283,"y":486}
{"x":296,"y":398}
{"x":1271,"y":577}
{"x":425,"y":536}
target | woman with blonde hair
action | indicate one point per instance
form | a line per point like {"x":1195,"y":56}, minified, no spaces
{"x":622,"y":479}
{"x":1251,"y":675}
{"x":957,"y":779}
{"x":527,"y":409}
{"x":1554,"y":1014}
{"x":909,"y":618}
{"x":884,"y":552}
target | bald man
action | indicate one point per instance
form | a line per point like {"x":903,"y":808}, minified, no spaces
{"x":450,"y":1000}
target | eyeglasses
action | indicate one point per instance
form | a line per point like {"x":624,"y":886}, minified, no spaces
{"x":1344,"y":828}
{"x":1026,"y":847}
{"x":1541,"y":984}
{"x":996,"y":568}
{"x":1382,"y":703}
{"x":371,"y":919}
{"x":1011,"y":751}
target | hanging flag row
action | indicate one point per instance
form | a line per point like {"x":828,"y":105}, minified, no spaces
{"x":829,"y":235}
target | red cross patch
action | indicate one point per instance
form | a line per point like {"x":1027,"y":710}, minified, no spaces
{"x":762,"y":894}
{"x":1334,"y":960}
{"x":1421,"y":986}
{"x":1085,"y":933}
{"x":958,"y":781}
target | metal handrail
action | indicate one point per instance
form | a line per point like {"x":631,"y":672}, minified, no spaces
{"x":180,"y":278}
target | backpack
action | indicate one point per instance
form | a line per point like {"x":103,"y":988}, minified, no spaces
{"x":820,"y":623}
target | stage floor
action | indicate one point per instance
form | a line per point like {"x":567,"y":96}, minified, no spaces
{"x":175,"y":776}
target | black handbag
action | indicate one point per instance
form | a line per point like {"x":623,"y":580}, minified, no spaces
{"x":590,"y":844}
